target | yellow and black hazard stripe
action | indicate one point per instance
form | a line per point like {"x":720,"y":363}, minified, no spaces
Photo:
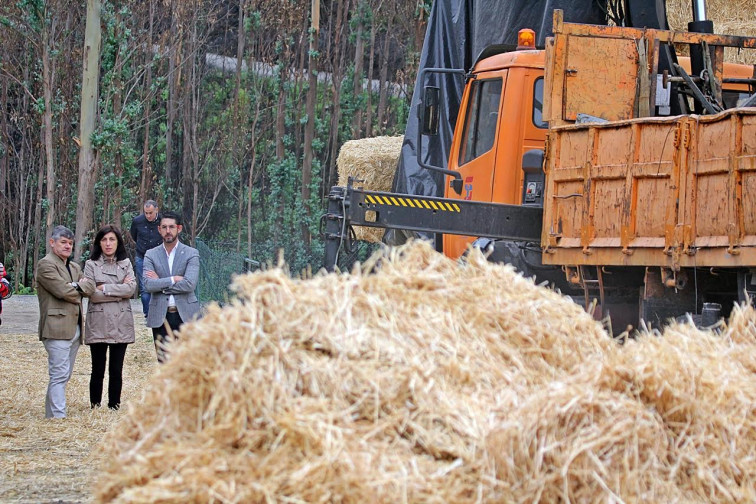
{"x":427,"y":204}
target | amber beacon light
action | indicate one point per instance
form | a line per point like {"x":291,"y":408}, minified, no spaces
{"x":526,"y":39}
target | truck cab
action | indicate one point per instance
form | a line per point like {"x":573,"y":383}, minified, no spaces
{"x":501,"y":120}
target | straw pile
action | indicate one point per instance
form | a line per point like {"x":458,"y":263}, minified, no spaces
{"x":701,"y":385}
{"x":733,"y":17}
{"x":416,"y":379}
{"x":373,"y":162}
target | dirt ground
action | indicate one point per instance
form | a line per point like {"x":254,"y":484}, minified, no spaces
{"x":54,"y":461}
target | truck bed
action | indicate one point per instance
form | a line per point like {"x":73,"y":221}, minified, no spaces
{"x":676,"y":192}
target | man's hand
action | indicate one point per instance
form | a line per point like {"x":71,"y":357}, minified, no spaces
{"x":177,"y":278}
{"x":128,"y":279}
{"x":151,"y":274}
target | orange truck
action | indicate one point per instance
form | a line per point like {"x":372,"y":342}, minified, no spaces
{"x":562,"y":165}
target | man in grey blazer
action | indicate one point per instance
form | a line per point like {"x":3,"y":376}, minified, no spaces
{"x":171,"y":271}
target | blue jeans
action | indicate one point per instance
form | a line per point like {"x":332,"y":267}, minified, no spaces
{"x":139,"y":270}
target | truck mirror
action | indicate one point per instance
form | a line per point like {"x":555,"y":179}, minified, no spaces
{"x":430,"y":110}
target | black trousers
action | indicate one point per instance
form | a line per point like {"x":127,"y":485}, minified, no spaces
{"x":115,"y":373}
{"x":160,"y":334}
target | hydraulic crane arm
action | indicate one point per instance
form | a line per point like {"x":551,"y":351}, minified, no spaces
{"x":349,"y":206}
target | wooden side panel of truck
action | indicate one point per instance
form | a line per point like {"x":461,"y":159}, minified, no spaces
{"x":673,"y":192}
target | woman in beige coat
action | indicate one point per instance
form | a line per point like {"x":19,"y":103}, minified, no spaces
{"x":109,"y":323}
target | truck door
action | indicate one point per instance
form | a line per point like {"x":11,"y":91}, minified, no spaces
{"x":473,"y":153}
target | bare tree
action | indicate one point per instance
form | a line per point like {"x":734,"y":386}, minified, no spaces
{"x":89,"y":99}
{"x":383,"y":77}
{"x":359,"y":58}
{"x":312,"y":93}
{"x":145,"y":186}
{"x":174,"y":65}
{"x":48,"y":74}
{"x":371,"y":63}
{"x":337,"y":72}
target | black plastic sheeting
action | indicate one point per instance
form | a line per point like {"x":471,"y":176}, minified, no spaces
{"x":458,"y":31}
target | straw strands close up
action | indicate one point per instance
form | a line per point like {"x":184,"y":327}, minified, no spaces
{"x":419,"y":379}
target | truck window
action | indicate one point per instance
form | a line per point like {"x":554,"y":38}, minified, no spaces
{"x":538,"y":104}
{"x":481,"y":119}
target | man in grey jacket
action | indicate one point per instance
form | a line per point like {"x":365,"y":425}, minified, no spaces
{"x":60,"y":322}
{"x":171,"y":272}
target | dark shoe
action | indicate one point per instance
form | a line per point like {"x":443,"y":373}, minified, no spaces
{"x":115,"y":407}
{"x":94,"y":405}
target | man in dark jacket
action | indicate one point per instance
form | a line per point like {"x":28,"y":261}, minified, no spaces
{"x":144,"y":231}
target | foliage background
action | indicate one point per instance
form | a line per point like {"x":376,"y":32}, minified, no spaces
{"x":202,"y":107}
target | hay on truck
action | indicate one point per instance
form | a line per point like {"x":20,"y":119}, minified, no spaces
{"x":373,"y":161}
{"x":416,"y":379}
{"x":730,"y":17}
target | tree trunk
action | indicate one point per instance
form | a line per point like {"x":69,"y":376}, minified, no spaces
{"x":38,"y":234}
{"x":338,"y":63}
{"x":186,"y":168}
{"x":3,"y":156}
{"x":359,"y":57}
{"x":281,"y":110}
{"x":106,"y":196}
{"x":296,"y":93}
{"x":89,"y":96}
{"x":172,"y":97}
{"x":240,"y":43}
{"x":251,"y":178}
{"x":113,"y":213}
{"x":23,"y":228}
{"x":369,"y":106}
{"x":420,"y":25}
{"x":250,"y":186}
{"x":383,"y":78}
{"x":193,"y":166}
{"x":309,"y":134}
{"x":280,"y":147}
{"x":48,"y":133}
{"x":4,"y":201}
{"x":145,"y":187}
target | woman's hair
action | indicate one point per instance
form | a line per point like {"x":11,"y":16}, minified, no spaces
{"x":97,"y":248}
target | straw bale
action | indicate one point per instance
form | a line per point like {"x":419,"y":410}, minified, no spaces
{"x":379,"y":386}
{"x":372,"y":161}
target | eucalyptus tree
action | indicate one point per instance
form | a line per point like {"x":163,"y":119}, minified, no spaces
{"x":88,"y":108}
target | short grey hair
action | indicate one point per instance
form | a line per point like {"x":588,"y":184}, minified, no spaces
{"x":61,"y":232}
{"x":150,"y":203}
